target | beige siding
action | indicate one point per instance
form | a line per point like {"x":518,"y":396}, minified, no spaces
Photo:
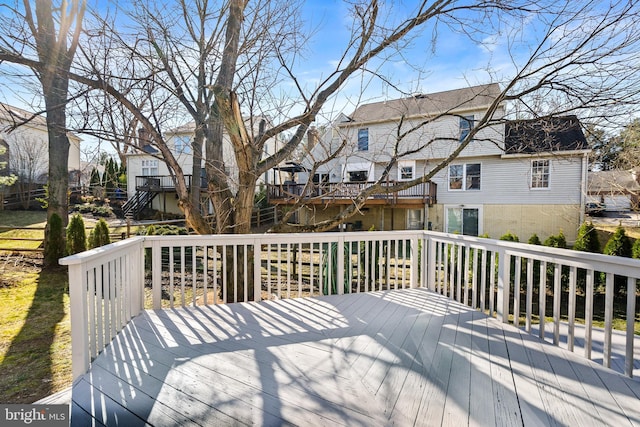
{"x":524,"y":220}
{"x":521,"y":220}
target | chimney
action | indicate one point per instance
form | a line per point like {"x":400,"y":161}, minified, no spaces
{"x":143,"y":138}
{"x":312,"y":137}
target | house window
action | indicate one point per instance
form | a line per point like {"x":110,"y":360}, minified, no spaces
{"x":464,"y":177}
{"x":182,"y":145}
{"x":149,"y":167}
{"x":540,"y":174}
{"x":363,"y":139}
{"x":406,"y":170}
{"x":466,"y":123}
{"x":415,"y":219}
{"x":358,"y":176}
{"x":463,"y":221}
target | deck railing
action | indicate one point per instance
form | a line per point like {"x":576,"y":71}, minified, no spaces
{"x":348,"y":190}
{"x":513,"y":281}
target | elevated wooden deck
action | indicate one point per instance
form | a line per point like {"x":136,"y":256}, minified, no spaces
{"x":405,"y":357}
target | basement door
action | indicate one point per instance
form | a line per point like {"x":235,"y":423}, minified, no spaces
{"x":463,"y":220}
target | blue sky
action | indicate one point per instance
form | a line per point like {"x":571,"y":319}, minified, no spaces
{"x":454,"y":63}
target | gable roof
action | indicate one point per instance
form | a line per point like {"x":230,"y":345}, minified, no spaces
{"x":14,"y":116}
{"x":612,"y":181}
{"x":544,"y":135}
{"x":468,"y":98}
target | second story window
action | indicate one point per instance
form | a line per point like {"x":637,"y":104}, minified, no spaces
{"x":149,"y":167}
{"x":464,"y":177}
{"x":363,"y":139}
{"x":466,"y":124}
{"x":182,"y":145}
{"x":406,"y":170}
{"x":540,"y":174}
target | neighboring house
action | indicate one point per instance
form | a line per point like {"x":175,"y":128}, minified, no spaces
{"x":618,"y":190}
{"x":524,"y":178}
{"x":149,"y":183}
{"x":27,"y":146}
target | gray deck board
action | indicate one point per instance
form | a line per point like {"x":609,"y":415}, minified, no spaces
{"x":405,"y":358}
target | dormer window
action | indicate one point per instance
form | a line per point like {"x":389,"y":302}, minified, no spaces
{"x":363,"y":139}
{"x":182,"y":145}
{"x":466,"y":124}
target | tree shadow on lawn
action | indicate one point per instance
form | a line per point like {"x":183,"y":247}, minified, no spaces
{"x":37,"y":362}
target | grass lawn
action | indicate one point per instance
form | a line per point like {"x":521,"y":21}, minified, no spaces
{"x":35,"y":338}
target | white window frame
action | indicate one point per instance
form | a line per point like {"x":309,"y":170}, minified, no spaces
{"x":466,"y":123}
{"x":461,"y":207}
{"x":150,"y":167}
{"x":464,"y":177}
{"x":405,"y":164}
{"x":362,"y":148}
{"x":534,"y":174}
{"x":420,"y":221}
{"x":182,"y":144}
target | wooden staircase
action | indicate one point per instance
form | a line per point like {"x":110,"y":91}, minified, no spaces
{"x":135,"y":205}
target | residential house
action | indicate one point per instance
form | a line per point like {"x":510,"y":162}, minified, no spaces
{"x":524,"y":178}
{"x":24,"y":139}
{"x":616,"y":190}
{"x":149,"y":182}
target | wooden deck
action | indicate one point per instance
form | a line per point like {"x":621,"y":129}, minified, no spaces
{"x":406,"y":357}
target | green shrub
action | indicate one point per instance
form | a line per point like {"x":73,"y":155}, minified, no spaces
{"x":99,"y":236}
{"x":635,"y":249}
{"x":509,"y":237}
{"x":54,"y":249}
{"x":76,"y":235}
{"x":166,"y":230}
{"x":587,"y":240}
{"x":619,"y":244}
{"x":534,"y":240}
{"x":558,"y":241}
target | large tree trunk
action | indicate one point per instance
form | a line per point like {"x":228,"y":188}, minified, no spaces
{"x":58,"y":184}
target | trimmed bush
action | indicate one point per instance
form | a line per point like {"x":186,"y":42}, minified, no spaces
{"x":534,"y":240}
{"x":76,"y":235}
{"x":558,"y":241}
{"x":635,"y":249}
{"x":99,"y":236}
{"x":54,"y":249}
{"x":509,"y":237}
{"x":619,"y":244}
{"x":587,"y":240}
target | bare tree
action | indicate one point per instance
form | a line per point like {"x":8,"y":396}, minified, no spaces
{"x":45,"y":40}
{"x":29,"y":163}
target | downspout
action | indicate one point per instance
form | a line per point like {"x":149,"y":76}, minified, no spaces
{"x":583,"y":189}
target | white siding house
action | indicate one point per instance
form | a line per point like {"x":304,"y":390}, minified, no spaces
{"x":27,"y":146}
{"x":145,"y":165}
{"x":518,"y":177}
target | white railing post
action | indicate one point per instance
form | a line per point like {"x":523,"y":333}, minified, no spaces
{"x":608,"y":320}
{"x":415,"y":263}
{"x":79,"y":320}
{"x":502,"y":304}
{"x":156,"y":268}
{"x":431,"y":265}
{"x":631,"y":314}
{"x":257,"y":270}
{"x":340,"y":279}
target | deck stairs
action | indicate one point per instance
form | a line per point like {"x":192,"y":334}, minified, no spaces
{"x":135,"y":205}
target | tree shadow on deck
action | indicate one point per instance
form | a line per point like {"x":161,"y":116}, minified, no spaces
{"x":405,"y":357}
